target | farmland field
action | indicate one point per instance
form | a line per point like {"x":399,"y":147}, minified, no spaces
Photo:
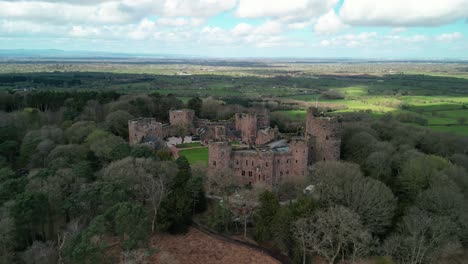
{"x":435,"y":96}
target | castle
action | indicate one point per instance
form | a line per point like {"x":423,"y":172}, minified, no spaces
{"x":277,"y":161}
{"x":263,"y":157}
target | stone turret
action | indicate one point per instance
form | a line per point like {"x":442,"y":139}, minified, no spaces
{"x":324,"y":136}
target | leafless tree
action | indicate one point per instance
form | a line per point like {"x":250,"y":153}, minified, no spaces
{"x":332,"y":233}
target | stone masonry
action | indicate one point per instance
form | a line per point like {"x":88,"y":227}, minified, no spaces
{"x":271,"y":165}
{"x":324,"y":136}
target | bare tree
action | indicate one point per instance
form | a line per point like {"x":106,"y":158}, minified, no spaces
{"x":332,"y":233}
{"x":243,"y":204}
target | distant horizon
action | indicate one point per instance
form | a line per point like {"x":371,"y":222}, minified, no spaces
{"x":97,"y":54}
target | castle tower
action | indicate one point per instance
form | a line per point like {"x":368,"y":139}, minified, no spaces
{"x":220,"y":133}
{"x":183,"y":118}
{"x":246,"y":123}
{"x":324,"y":136}
{"x":144,"y":129}
{"x":300,"y":158}
{"x":219,"y":158}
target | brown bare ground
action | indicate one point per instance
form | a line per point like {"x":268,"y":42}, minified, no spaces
{"x":196,"y":247}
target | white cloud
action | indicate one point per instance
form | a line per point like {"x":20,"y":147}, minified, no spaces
{"x":402,"y":12}
{"x":448,"y":37}
{"x":172,"y":22}
{"x":194,"y":8}
{"x":144,"y":30}
{"x":349,"y":40}
{"x":292,"y":11}
{"x":82,"y":32}
{"x":242,"y":29}
{"x":329,"y":23}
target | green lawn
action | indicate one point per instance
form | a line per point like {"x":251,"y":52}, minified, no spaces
{"x":197,"y":155}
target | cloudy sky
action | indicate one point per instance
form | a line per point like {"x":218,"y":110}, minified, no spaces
{"x":241,"y":28}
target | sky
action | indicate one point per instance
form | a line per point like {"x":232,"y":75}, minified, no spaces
{"x":391,"y":29}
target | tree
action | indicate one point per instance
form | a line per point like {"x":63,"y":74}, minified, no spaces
{"x":332,"y":233}
{"x":243,"y":205}
{"x":196,"y":105}
{"x":419,"y":237}
{"x":147,"y":179}
{"x":102,"y":143}
{"x":343,"y":184}
{"x":264,"y":216}
{"x":78,"y":131}
{"x":117,"y":123}
{"x":176,"y":208}
{"x":416,"y":174}
{"x":30,"y":216}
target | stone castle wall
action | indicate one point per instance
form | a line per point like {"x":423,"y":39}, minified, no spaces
{"x":246,"y":123}
{"x":324,"y":135}
{"x":252,"y":166}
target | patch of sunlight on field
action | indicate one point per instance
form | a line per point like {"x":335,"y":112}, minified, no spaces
{"x":353,"y":91}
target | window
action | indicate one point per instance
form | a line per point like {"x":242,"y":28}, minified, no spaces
{"x":281,"y":173}
{"x":266,"y":164}
{"x":214,"y":163}
{"x":296,"y":161}
{"x":278,"y":161}
{"x":243,"y":173}
{"x":252,"y":162}
{"x":326,"y":138}
{"x":246,"y":162}
{"x":237,"y":162}
{"x":250,"y":174}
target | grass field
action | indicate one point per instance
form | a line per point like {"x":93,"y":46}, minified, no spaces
{"x":196,"y":155}
{"x":443,"y":113}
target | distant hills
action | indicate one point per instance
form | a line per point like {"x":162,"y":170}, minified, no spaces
{"x":57,"y":55}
